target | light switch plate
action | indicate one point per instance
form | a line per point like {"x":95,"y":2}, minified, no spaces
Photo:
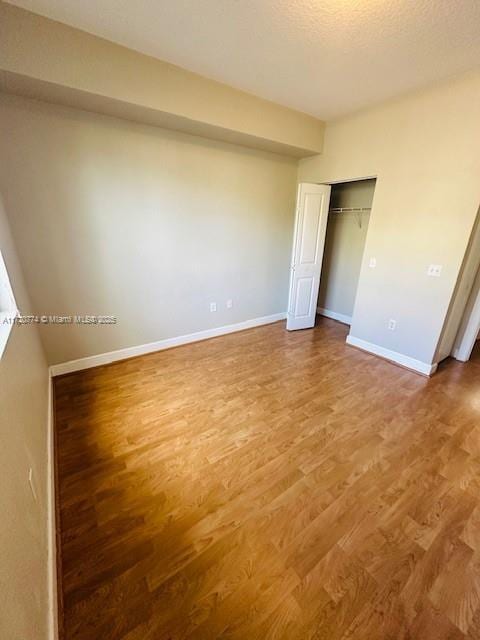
{"x":373,"y":263}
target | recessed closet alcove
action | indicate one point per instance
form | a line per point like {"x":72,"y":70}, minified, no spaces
{"x":347,"y":226}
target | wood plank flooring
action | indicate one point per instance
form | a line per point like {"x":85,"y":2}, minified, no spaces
{"x":269,"y":485}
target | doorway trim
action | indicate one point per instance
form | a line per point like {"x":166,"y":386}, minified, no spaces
{"x":340,"y":317}
{"x":340,"y":181}
{"x":464,"y":349}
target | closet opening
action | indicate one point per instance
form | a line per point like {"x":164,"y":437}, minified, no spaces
{"x":347,"y":226}
{"x":460,"y":335}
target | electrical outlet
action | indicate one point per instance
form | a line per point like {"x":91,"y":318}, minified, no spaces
{"x":32,"y":484}
{"x":229,"y":303}
{"x":373,"y":263}
{"x":434,"y":270}
{"x":392,"y":324}
{"x":213,"y":307}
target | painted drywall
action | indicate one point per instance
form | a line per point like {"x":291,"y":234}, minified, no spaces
{"x":46,"y":59}
{"x":23,"y":433}
{"x":344,"y":245}
{"x":422,"y":150}
{"x":141,"y":223}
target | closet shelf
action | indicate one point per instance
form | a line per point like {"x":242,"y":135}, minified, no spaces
{"x":346,"y":209}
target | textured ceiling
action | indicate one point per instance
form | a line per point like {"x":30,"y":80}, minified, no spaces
{"x":324,"y":57}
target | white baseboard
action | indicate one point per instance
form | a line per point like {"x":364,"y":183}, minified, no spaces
{"x":405,"y":361}
{"x":129,"y":352}
{"x":334,"y":315}
{"x":51,"y":522}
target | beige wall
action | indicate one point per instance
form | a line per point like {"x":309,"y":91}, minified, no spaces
{"x":424,"y":150}
{"x":23,"y":436}
{"x":344,"y":245}
{"x":142,"y":223}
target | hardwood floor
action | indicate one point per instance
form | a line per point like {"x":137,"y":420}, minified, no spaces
{"x":269,"y":485}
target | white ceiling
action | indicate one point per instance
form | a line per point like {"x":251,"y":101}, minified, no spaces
{"x":324,"y":57}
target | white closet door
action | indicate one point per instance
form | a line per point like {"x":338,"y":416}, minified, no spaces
{"x":308,"y":244}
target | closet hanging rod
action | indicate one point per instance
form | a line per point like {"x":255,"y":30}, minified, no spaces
{"x":346,"y":209}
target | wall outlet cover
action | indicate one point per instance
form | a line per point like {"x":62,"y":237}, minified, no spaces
{"x":434,"y":270}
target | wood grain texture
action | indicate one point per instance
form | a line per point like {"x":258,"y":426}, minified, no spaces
{"x":269,"y":485}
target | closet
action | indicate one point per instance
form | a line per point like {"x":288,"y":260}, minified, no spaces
{"x":347,"y":225}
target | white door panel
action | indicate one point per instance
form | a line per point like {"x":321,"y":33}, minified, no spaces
{"x":303,"y":297}
{"x":308,"y":244}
